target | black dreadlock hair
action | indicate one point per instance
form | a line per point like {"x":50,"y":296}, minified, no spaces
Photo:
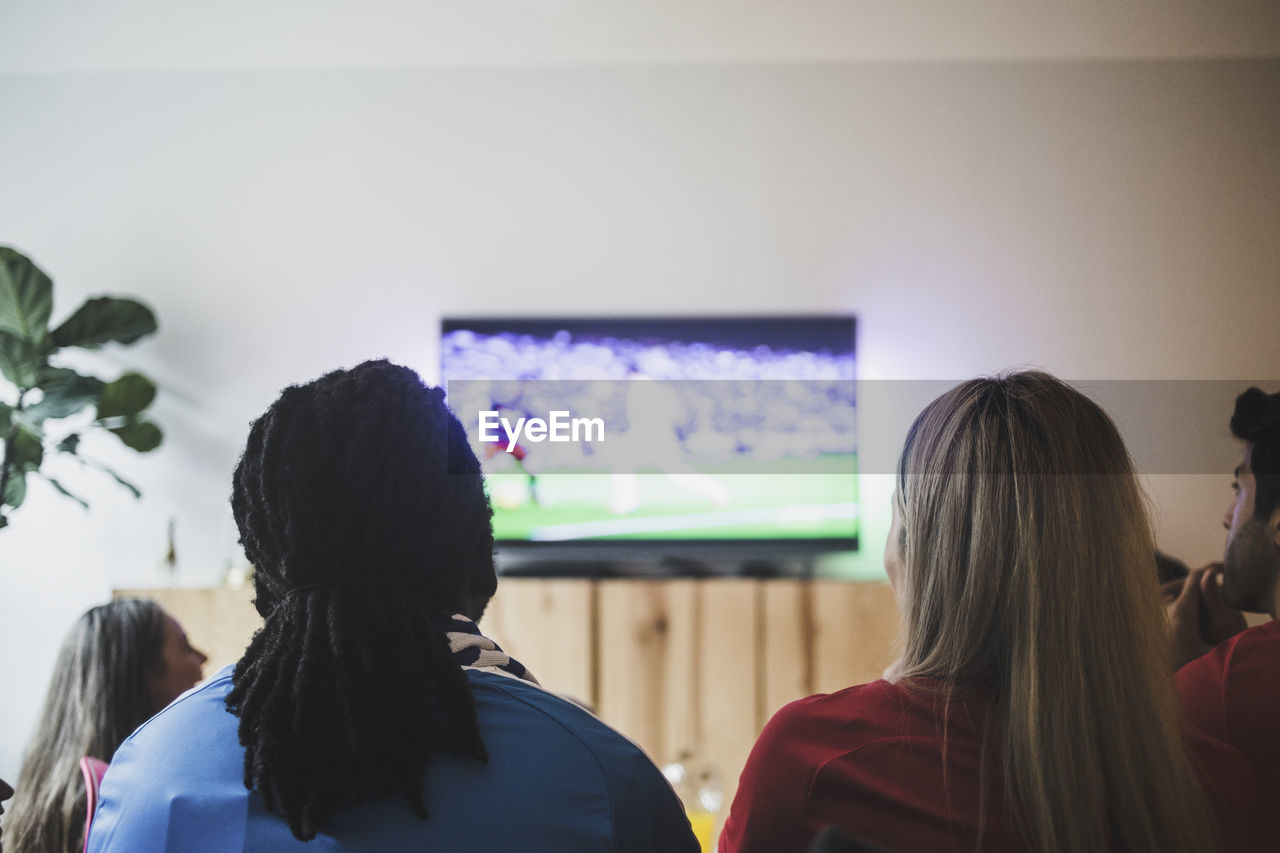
{"x":363,"y":511}
{"x":1256,"y":421}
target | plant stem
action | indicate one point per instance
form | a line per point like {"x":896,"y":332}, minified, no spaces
{"x":8,"y":449}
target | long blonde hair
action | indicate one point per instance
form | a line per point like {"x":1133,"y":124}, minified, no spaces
{"x":1026,"y":550}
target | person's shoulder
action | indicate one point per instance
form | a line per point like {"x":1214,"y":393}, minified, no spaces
{"x":187,"y":749}
{"x":859,"y":699}
{"x":1253,"y":651}
{"x":802,"y":739}
{"x":1231,"y":692}
{"x":870,"y":692}
{"x":1248,"y":663}
{"x":858,"y":713}
{"x":1263,"y":639}
{"x":495,"y":688}
{"x":208,"y":695}
{"x":544,"y":719}
{"x":189,"y":733}
{"x":551,"y":732}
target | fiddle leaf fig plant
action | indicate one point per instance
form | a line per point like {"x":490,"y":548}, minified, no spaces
{"x":41,"y":399}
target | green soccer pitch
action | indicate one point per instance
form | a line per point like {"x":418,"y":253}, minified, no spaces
{"x":802,"y":499}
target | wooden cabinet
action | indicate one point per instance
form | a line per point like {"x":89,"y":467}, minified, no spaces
{"x":679,"y":666}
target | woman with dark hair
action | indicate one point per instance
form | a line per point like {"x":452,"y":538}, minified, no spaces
{"x":369,"y":712}
{"x":1231,"y":692}
{"x":120,"y":664}
{"x":1032,"y":706}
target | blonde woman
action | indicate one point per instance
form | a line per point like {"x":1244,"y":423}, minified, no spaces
{"x":1032,"y":707}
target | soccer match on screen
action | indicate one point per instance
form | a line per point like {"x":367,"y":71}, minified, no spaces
{"x":660,"y":429}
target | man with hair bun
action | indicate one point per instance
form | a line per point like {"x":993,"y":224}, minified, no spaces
{"x":1232,"y":693}
{"x":369,"y":713}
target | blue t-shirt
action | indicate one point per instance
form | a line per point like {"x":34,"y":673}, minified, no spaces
{"x":557,"y":780}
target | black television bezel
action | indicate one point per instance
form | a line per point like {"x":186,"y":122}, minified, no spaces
{"x":658,"y":557}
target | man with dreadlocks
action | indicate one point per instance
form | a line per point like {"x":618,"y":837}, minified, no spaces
{"x":369,"y":713}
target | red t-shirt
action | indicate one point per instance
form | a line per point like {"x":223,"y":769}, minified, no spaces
{"x":1233,"y":694}
{"x":869,"y":759}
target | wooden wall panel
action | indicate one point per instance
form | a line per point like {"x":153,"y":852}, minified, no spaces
{"x":549,"y":626}
{"x":730,"y":641}
{"x":681,"y":672}
{"x":637,"y":657}
{"x":786,"y":665}
{"x":854,"y":629}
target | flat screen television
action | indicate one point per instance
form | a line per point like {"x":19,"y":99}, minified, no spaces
{"x":690,"y":437}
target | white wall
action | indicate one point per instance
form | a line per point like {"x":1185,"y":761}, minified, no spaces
{"x":1104,"y":220}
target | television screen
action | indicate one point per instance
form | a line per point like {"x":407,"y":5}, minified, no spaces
{"x":710,"y":430}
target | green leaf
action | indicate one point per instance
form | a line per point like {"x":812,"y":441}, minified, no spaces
{"x":65,"y":393}
{"x":137,"y":493}
{"x":5,"y":419}
{"x":32,"y":425}
{"x":63,"y":489}
{"x":103,"y":320}
{"x":15,"y":492}
{"x":128,"y":395}
{"x":21,"y":360}
{"x":70,"y":444}
{"x":28,"y":451}
{"x":26,"y":297}
{"x":142,"y":436}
